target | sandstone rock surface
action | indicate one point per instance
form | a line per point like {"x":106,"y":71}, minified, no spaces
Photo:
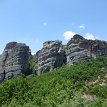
{"x":14,"y":60}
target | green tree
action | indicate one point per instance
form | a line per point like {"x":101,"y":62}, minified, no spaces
{"x":32,"y":64}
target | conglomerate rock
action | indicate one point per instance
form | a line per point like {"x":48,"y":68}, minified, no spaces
{"x":14,"y":60}
{"x":50,"y":56}
{"x":81,"y":49}
{"x":54,"y":54}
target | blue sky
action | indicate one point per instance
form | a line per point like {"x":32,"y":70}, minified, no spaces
{"x":35,"y":21}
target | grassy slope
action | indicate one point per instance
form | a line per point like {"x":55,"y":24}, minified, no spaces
{"x":64,"y":87}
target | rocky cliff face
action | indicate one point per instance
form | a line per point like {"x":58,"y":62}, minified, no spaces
{"x":14,"y":60}
{"x":53,"y":55}
{"x":81,"y":49}
{"x":50,"y":56}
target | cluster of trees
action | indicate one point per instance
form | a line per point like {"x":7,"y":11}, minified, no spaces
{"x":64,"y":87}
{"x":32,"y":65}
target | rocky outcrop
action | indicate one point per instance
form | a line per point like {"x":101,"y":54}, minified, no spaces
{"x":50,"y":56}
{"x":14,"y":60}
{"x":81,"y":49}
{"x":54,"y":54}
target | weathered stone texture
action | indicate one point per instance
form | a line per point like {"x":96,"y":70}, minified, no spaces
{"x":50,"y":56}
{"x":81,"y":49}
{"x":14,"y":60}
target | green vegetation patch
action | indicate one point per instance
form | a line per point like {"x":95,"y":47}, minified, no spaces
{"x":63,"y":87}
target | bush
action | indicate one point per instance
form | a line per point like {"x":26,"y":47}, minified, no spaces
{"x":64,"y":87}
{"x":32,"y":64}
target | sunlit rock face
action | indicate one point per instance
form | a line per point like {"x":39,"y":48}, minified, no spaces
{"x":14,"y":60}
{"x":54,"y":54}
{"x":50,"y":56}
{"x":81,"y":49}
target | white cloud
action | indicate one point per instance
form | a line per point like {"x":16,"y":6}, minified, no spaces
{"x":90,"y":36}
{"x":82,"y":26}
{"x":45,"y":23}
{"x":33,"y":53}
{"x":68,"y":35}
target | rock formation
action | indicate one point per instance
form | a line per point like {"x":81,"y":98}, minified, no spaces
{"x":50,"y":56}
{"x":14,"y":60}
{"x":81,"y":49}
{"x":53,"y":55}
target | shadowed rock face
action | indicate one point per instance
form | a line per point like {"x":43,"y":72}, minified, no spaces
{"x":14,"y":60}
{"x":50,"y":56}
{"x":81,"y":49}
